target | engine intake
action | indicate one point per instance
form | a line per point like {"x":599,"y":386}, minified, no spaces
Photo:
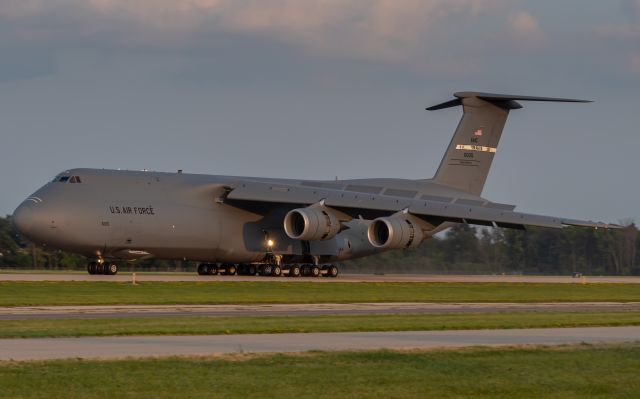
{"x":395,"y":232}
{"x":311,"y":223}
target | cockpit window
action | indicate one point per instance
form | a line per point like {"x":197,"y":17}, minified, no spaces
{"x":68,"y":179}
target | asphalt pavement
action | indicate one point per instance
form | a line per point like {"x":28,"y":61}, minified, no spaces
{"x":315,"y":309}
{"x":204,"y":345}
{"x":6,"y":275}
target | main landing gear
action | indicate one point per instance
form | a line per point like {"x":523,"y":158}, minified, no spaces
{"x":102,"y":268}
{"x":212,"y":269}
{"x":267,"y":269}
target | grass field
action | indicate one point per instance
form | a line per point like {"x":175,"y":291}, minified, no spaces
{"x":111,"y":293}
{"x":565,"y":372}
{"x":32,"y":328}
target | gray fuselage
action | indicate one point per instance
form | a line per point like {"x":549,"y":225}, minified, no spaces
{"x":115,"y":214}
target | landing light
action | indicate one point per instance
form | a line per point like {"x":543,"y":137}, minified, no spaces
{"x":270,"y":243}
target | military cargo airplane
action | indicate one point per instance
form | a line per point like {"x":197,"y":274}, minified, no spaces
{"x":265,"y":226}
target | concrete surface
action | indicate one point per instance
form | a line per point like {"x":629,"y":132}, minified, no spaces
{"x":137,"y":346}
{"x":376,"y":278}
{"x":132,"y":311}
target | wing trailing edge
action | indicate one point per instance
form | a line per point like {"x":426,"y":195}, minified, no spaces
{"x":355,"y":204}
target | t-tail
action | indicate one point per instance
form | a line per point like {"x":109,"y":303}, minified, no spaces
{"x":466,"y":163}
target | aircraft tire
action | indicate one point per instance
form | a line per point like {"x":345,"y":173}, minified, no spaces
{"x":294,"y":271}
{"x":111,"y":269}
{"x":333,"y":271}
{"x":202,"y":269}
{"x":231,"y":270}
{"x":266,"y":270}
{"x":100,"y":268}
{"x":91,"y":268}
{"x":212,"y":269}
{"x":252,"y":270}
{"x":315,"y":271}
{"x":276,"y":271}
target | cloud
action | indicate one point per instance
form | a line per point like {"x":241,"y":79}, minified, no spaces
{"x":625,"y":31}
{"x":386,"y":30}
{"x":634,"y":64}
{"x":417,"y":39}
{"x":382,"y":29}
{"x":20,"y":8}
{"x":624,"y":37}
{"x":525,"y":24}
{"x":631,"y":8}
{"x":522,"y":33}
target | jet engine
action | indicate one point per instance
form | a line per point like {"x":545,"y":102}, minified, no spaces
{"x":395,"y":232}
{"x":311,"y":223}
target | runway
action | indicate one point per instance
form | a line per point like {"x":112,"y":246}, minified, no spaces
{"x":317,"y":309}
{"x":343,"y":278}
{"x":201,"y":345}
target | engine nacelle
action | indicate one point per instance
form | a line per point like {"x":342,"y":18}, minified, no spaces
{"x":311,"y":223}
{"x":395,"y":232}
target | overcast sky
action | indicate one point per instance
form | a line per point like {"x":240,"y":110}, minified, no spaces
{"x":323,"y":88}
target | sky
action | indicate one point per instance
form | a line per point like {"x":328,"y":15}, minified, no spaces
{"x":322,"y":88}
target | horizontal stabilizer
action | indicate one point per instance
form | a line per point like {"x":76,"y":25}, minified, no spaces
{"x":506,"y":101}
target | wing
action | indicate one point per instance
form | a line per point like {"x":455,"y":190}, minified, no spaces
{"x":370,"y":206}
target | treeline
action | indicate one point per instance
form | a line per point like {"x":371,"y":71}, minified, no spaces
{"x":463,"y":249}
{"x":466,"y":249}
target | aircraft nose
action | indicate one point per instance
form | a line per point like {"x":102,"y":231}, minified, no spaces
{"x":23,"y":218}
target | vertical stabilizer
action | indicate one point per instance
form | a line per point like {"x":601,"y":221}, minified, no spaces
{"x":466,"y":163}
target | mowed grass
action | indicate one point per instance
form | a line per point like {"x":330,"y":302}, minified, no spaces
{"x":113,"y":293}
{"x":565,"y":372}
{"x":34,"y":328}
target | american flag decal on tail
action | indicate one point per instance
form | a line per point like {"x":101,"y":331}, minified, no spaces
{"x":478,"y":132}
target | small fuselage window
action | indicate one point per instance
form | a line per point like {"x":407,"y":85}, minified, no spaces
{"x":75,"y":179}
{"x":63,"y":179}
